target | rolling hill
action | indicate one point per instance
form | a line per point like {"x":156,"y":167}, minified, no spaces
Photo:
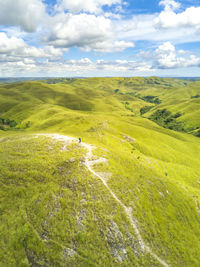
{"x":57,"y":211}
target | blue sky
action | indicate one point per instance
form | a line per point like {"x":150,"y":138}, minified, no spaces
{"x":66,"y":38}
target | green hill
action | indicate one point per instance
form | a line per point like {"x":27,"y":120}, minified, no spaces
{"x":56,"y":212}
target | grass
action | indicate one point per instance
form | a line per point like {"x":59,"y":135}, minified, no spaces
{"x":49,"y":206}
{"x":42,"y":197}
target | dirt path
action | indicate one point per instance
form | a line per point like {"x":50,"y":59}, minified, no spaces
{"x":128,"y":210}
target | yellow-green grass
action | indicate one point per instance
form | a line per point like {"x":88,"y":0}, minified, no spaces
{"x":154,"y":170}
{"x":45,"y":191}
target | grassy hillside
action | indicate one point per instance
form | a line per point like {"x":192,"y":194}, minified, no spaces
{"x":54,"y":212}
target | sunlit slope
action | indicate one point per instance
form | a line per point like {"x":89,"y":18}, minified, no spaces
{"x":158,"y":176}
{"x":151,"y":169}
{"x":102,"y":95}
{"x":55,"y":213}
{"x":183,"y":100}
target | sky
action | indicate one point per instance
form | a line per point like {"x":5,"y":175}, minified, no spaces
{"x":90,"y":38}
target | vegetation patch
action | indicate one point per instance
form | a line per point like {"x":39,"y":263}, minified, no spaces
{"x":166,"y":119}
{"x":127,"y":106}
{"x":151,"y":99}
{"x":148,"y":98}
{"x":196,"y":96}
{"x":196,"y":133}
{"x":145,"y":109}
{"x":6,"y":124}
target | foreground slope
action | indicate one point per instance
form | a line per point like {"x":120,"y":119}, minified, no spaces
{"x":55,"y":213}
{"x":58,"y":212}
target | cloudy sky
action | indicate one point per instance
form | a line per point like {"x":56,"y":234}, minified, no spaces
{"x":99,"y":38}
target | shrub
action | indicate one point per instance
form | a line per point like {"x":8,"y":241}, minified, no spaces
{"x":195,"y":96}
{"x":28,"y":124}
{"x":151,"y":99}
{"x":7,"y":122}
{"x":145,"y":109}
{"x":128,"y":107}
{"x":197,"y":133}
{"x":177,"y":115}
{"x":13,"y":123}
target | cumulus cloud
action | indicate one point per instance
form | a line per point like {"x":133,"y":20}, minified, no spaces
{"x":169,"y":4}
{"x":15,"y":48}
{"x":168,"y":18}
{"x":159,"y":28}
{"x":64,"y":30}
{"x":96,"y":26}
{"x":85,"y":31}
{"x":23,"y":13}
{"x":91,"y":6}
{"x":78,"y":30}
{"x":8,"y":45}
{"x":167,"y":58}
{"x":83,"y":67}
{"x":109,"y":46}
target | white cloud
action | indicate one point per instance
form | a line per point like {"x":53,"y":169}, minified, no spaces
{"x":24,"y":13}
{"x":150,"y":28}
{"x":78,"y":30}
{"x":91,"y":6}
{"x":19,"y":68}
{"x":45,"y":52}
{"x":170,"y":19}
{"x":169,"y":4}
{"x":167,"y":58}
{"x":83,"y":67}
{"x":112,"y":15}
{"x":86,"y":25}
{"x":123,"y":66}
{"x":109,"y":46}
{"x":8,"y":45}
{"x":182,"y":52}
{"x":15,"y":48}
{"x":85,"y":31}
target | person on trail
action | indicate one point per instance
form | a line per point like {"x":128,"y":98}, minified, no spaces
{"x":79,"y":140}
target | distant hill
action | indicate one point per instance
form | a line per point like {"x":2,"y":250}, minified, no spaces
{"x":20,"y":79}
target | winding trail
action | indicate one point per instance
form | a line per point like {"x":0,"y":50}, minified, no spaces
{"x":128,"y":210}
